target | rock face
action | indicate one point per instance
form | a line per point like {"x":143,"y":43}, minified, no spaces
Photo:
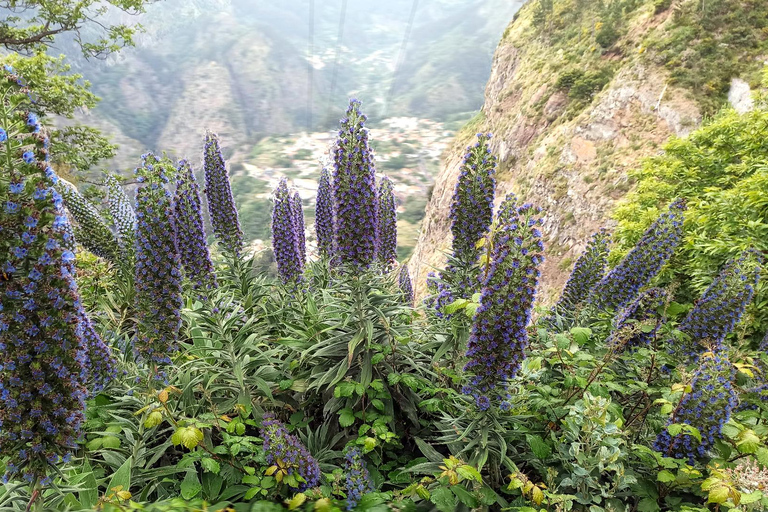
{"x":572,"y":160}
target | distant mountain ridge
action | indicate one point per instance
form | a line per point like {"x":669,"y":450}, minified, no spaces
{"x":240,"y":68}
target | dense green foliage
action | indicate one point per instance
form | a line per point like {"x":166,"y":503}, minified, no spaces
{"x":721,"y":169}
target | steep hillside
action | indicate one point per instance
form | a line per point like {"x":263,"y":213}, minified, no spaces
{"x":581,"y":91}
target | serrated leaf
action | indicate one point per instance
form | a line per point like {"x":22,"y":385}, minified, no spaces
{"x":346,"y":417}
{"x":581,"y":334}
{"x":211,"y":465}
{"x":538,"y":446}
{"x":190,"y":486}
{"x":665,"y":476}
{"x":444,"y":500}
{"x":468,"y":472}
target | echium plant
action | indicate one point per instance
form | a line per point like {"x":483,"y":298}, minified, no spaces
{"x":325,"y":224}
{"x":499,"y":337}
{"x":721,"y":306}
{"x":298,"y":222}
{"x":285,"y":235}
{"x":158,"y":264}
{"x":707,"y":407}
{"x":587,"y":272}
{"x":636,"y":270}
{"x":101,"y":363}
{"x":354,"y":192}
{"x":357,"y":479}
{"x":193,"y":246}
{"x":123,"y":216}
{"x":472,"y":205}
{"x":218,"y":192}
{"x":405,"y":284}
{"x":43,"y":367}
{"x":638,"y":323}
{"x":92,"y":230}
{"x":291,"y":463}
{"x":387,"y":251}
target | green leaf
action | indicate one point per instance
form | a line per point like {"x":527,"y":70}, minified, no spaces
{"x":469,"y":473}
{"x":665,"y":476}
{"x":190,"y":486}
{"x":110,"y":442}
{"x":648,"y":505}
{"x":122,"y":477}
{"x":444,"y":499}
{"x":464,"y":496}
{"x":538,"y":446}
{"x":748,"y":442}
{"x":346,"y":417}
{"x":210,"y":465}
{"x":675,"y":429}
{"x":581,"y":334}
{"x":89,"y":489}
{"x":369,"y":444}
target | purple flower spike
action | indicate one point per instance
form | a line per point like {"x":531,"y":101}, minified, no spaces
{"x":472,"y":206}
{"x":354,"y":192}
{"x":286,"y":451}
{"x":298,"y":221}
{"x":285,"y":235}
{"x":498,"y":340}
{"x":158,"y":264}
{"x":406,"y":285}
{"x":43,"y":357}
{"x":357,"y":480}
{"x":622,"y":284}
{"x":193,"y":247}
{"x":387,"y":224}
{"x":325,"y":225}
{"x":221,"y":204}
{"x":721,"y":306}
{"x":707,"y":408}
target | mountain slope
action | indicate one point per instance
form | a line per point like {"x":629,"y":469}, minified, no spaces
{"x":579,"y":93}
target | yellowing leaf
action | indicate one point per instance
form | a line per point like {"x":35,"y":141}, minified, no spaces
{"x":296,"y":501}
{"x":124,"y":495}
{"x":163,"y":396}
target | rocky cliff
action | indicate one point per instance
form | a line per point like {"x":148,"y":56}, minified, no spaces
{"x":578,"y":94}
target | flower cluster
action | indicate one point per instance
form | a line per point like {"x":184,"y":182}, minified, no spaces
{"x":440,"y":294}
{"x":406,"y":285}
{"x":325,"y":225}
{"x":193,"y":247}
{"x":286,"y":453}
{"x":721,"y":306}
{"x":472,"y":204}
{"x":628,"y":329}
{"x":387,"y":251}
{"x":622,"y":284}
{"x":43,"y":367}
{"x":357,"y":480}
{"x":100,"y":361}
{"x":285,"y":235}
{"x":123,"y":216}
{"x":93,"y":233}
{"x":354,"y":192}
{"x":218,"y":191}
{"x":499,"y":337}
{"x":707,"y":408}
{"x":587,"y":272}
{"x":298,"y":222}
{"x":158,"y":263}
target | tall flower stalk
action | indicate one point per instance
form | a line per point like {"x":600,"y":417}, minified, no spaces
{"x":636,"y":270}
{"x":354,"y":192}
{"x":221,"y":203}
{"x":43,"y":364}
{"x":357,"y":479}
{"x":405,"y":284}
{"x":499,"y":337}
{"x":325,"y":224}
{"x":158,"y":264}
{"x":298,"y":222}
{"x":472,"y":205}
{"x":193,"y":246}
{"x":387,"y":251}
{"x":587,"y":272}
{"x":638,"y":323}
{"x":92,"y":230}
{"x":285,"y":235}
{"x":290,"y":460}
{"x":123,"y":216}
{"x":707,"y":407}
{"x":722,"y":305}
